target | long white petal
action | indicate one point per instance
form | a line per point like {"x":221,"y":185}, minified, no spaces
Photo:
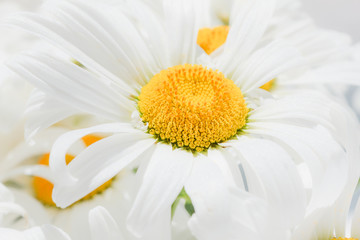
{"x":248,"y":22}
{"x":183,"y":20}
{"x":323,"y":156}
{"x":73,"y":86}
{"x":43,"y":111}
{"x":103,"y":226}
{"x":96,"y":164}
{"x":163,"y":180}
{"x":114,"y":50}
{"x":278,"y":175}
{"x":222,"y":212}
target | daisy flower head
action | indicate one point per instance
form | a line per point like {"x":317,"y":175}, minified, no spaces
{"x":34,"y":191}
{"x":186,"y":119}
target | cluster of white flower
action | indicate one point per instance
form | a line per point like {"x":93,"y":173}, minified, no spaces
{"x":176,"y":119}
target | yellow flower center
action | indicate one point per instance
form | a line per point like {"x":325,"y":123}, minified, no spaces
{"x":269,"y":85}
{"x":210,"y":39}
{"x":43,"y":188}
{"x":193,"y":107}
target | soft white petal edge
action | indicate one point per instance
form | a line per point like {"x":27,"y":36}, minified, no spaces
{"x":96,"y":164}
{"x":163,"y":180}
{"x":103,"y":226}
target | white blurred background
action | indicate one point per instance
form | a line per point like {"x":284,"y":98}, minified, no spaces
{"x":341,"y":15}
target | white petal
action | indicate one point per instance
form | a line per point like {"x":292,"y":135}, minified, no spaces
{"x":36,"y":213}
{"x":103,"y":226}
{"x":323,"y":156}
{"x":96,"y":164}
{"x":248,"y":22}
{"x":228,"y":167}
{"x":334,"y":73}
{"x":183,"y":20}
{"x":11,"y":234}
{"x":30,"y":170}
{"x":73,"y":86}
{"x":5,"y":194}
{"x":278,"y":176}
{"x":153,"y":23}
{"x":114,"y":50}
{"x":43,"y":111}
{"x":241,"y":215}
{"x":54,"y":233}
{"x":13,"y":208}
{"x":265,"y":64}
{"x":163,"y":180}
{"x":37,"y":146}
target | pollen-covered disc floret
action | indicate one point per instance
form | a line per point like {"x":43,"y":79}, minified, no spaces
{"x":193,"y":107}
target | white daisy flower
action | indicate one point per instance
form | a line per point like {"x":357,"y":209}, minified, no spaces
{"x":34,"y":193}
{"x":179,"y":121}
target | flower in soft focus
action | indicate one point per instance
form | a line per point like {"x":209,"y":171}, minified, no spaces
{"x":186,"y":119}
{"x":178,"y":119}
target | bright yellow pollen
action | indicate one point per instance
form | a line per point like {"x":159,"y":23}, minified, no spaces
{"x":43,"y":188}
{"x":211,"y":39}
{"x":193,"y":107}
{"x":269,"y":85}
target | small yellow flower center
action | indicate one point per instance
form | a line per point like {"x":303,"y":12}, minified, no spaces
{"x":269,"y":85}
{"x":193,"y":107}
{"x":210,"y":39}
{"x":43,"y":188}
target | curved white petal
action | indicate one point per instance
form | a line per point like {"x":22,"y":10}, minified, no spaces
{"x":37,"y":146}
{"x":103,"y":226}
{"x":9,"y":207}
{"x":278,"y":175}
{"x":322,"y":154}
{"x":222,"y":212}
{"x":164,"y":178}
{"x":43,"y":111}
{"x":96,"y":164}
{"x":30,"y":170}
{"x":73,"y":86}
